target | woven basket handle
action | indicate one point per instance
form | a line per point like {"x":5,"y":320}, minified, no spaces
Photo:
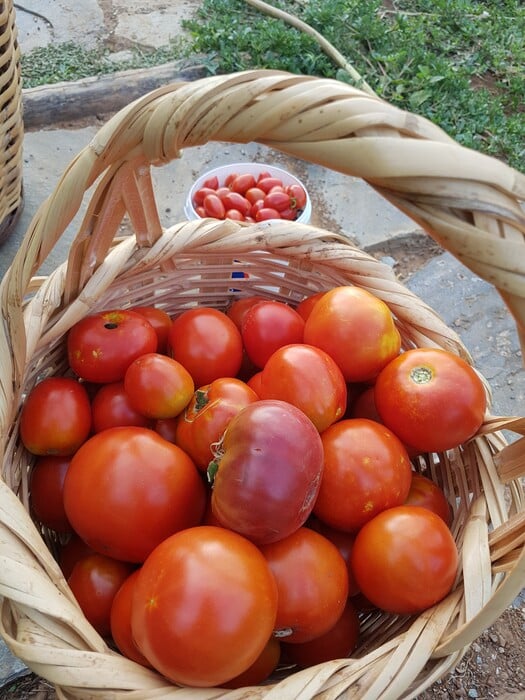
{"x":468,"y":202}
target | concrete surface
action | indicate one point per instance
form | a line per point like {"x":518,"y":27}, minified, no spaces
{"x":342,"y":203}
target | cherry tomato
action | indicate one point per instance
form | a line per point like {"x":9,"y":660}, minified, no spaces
{"x":120,"y":621}
{"x":268,"y":326}
{"x":94,"y":581}
{"x":297,"y":196}
{"x":158,"y":386}
{"x":306,"y":305}
{"x":101,"y":347}
{"x":46,"y":492}
{"x":229,"y":179}
{"x":431,"y":398}
{"x":127,"y":489}
{"x":338,"y":643}
{"x":235,"y":200}
{"x":56,"y":417}
{"x":213,"y":206}
{"x":111,"y":407}
{"x":254,"y":194}
{"x":265,"y":486}
{"x":234,"y":215}
{"x":212,"y":182}
{"x":426,"y":493}
{"x":308,"y":569}
{"x":266,"y":183}
{"x":266,"y":214}
{"x":207,"y":343}
{"x":405,"y":559}
{"x":356,"y":328}
{"x":278,"y":200}
{"x":259,"y":204}
{"x":288,"y":214}
{"x":204,"y":606}
{"x":238,"y":308}
{"x":366,"y":470}
{"x":205,"y":418}
{"x":308,"y":378}
{"x":242,"y":183}
{"x":161,"y":322}
{"x":261,"y":669}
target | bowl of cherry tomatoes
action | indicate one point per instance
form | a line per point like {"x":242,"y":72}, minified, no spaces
{"x":248,"y":192}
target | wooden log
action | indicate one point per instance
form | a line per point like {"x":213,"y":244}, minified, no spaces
{"x":64,"y":102}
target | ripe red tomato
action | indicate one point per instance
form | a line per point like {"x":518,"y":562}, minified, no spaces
{"x":235,"y":200}
{"x":268,"y":471}
{"x":111,"y":407}
{"x":266,"y":214}
{"x":120,"y":621}
{"x":267,"y":183}
{"x":355,"y":328}
{"x":213,"y":206}
{"x":254,"y":382}
{"x":308,"y":378}
{"x":207,"y":343}
{"x":46,"y":492}
{"x":278,"y":200}
{"x":161,"y":322}
{"x":158,"y":386}
{"x":366,"y":470}
{"x":308,"y":569}
{"x":72,"y":551}
{"x":261,"y":669}
{"x":101,"y":347}
{"x":127,"y":489}
{"x":94,"y":581}
{"x":426,"y":493}
{"x":405,"y":560}
{"x":306,"y":305}
{"x":212,"y":182}
{"x":205,"y":418}
{"x":297,"y":196}
{"x":56,"y":417}
{"x":267,"y":326}
{"x":204,"y":606}
{"x":254,"y":194}
{"x":431,"y":398}
{"x":234,"y":215}
{"x":344,"y":541}
{"x":242,"y":183}
{"x":198,"y":197}
{"x":238,"y":308}
{"x":338,"y":643}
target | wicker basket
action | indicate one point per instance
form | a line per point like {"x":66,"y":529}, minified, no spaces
{"x":11,"y":128}
{"x":468,"y":202}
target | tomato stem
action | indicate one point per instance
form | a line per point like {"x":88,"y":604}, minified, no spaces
{"x":213,"y":467}
{"x":201,"y":399}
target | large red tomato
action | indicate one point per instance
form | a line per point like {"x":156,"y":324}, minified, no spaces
{"x":127,"y":489}
{"x":312,"y":584}
{"x":308,"y":378}
{"x":355,"y":328}
{"x":268,"y":471}
{"x":204,"y":606}
{"x":431,"y":399}
{"x":46,"y":492}
{"x":56,"y":417}
{"x":405,"y":559}
{"x":161,"y":322}
{"x":94,"y":581}
{"x":366,"y":470}
{"x":267,"y":326}
{"x":207,"y":415}
{"x":101,"y":347}
{"x":207,"y":342}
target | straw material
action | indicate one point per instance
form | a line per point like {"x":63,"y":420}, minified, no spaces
{"x":11,"y":126}
{"x":468,"y":202}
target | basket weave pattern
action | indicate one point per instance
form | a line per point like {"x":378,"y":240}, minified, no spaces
{"x":11,"y":128}
{"x":468,"y":202}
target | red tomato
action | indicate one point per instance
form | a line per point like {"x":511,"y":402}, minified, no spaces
{"x":268,"y":470}
{"x":207,"y":415}
{"x":56,"y":417}
{"x":266,"y":214}
{"x":405,"y":560}
{"x":198,"y":197}
{"x":158,"y":386}
{"x":268,"y":326}
{"x":242,"y":183}
{"x":166,"y":428}
{"x":338,"y":643}
{"x":254,"y":382}
{"x":72,"y":551}
{"x":254,"y":194}
{"x":344,"y":541}
{"x":111,"y":407}
{"x":207,"y":343}
{"x":278,"y":200}
{"x":426,"y":493}
{"x":234,"y":215}
{"x":101,"y":347}
{"x":308,"y":378}
{"x":259,"y":204}
{"x":213,"y":206}
{"x":238,"y":308}
{"x":308,"y":569}
{"x":366,"y":470}
{"x":127,"y":489}
{"x":431,"y":398}
{"x":204,"y":606}
{"x":161,"y":322}
{"x":297,"y":196}
{"x":266,"y":183}
{"x":261,"y":669}
{"x":356,"y":328}
{"x":46,"y":492}
{"x":235,"y":200}
{"x":94,"y":581}
{"x":120,"y":621}
{"x":212,"y":182}
{"x":288,"y":214}
{"x":229,"y":179}
{"x":306,"y":305}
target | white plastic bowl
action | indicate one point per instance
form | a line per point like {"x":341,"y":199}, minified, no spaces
{"x":255,"y":169}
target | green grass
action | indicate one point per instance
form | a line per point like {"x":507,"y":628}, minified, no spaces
{"x":461,"y":63}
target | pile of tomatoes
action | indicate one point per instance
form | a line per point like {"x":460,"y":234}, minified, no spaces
{"x":245,"y":197}
{"x":234,"y":487}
